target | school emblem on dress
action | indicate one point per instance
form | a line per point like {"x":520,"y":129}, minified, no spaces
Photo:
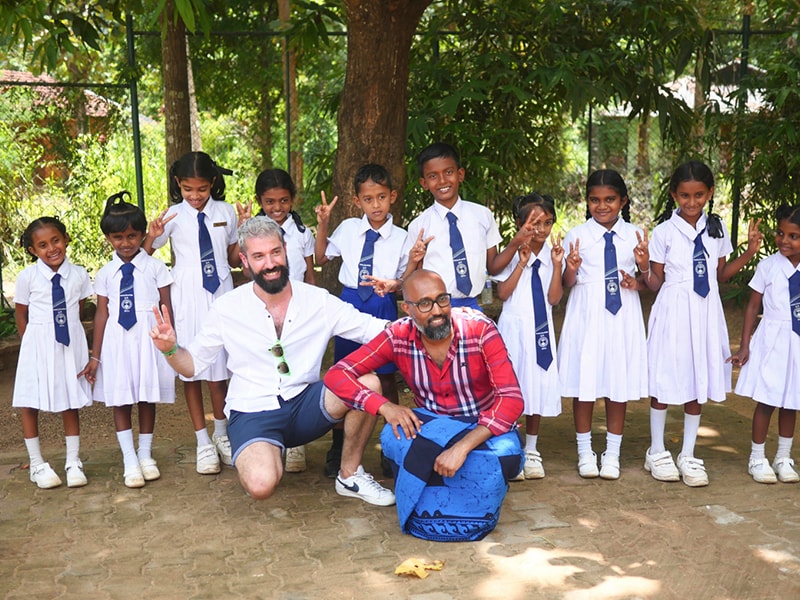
{"x":461,"y":268}
{"x":543,"y":341}
{"x":208,"y":268}
{"x":612,"y":287}
{"x":700,"y":268}
{"x":61,"y":318}
{"x":363,"y":274}
{"x":796,"y":312}
{"x":126,"y":304}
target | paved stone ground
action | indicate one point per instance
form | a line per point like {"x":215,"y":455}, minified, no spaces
{"x":193,"y":536}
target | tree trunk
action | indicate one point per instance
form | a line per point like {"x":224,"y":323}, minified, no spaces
{"x":373,"y":111}
{"x":290,"y":91}
{"x":177,"y":119}
{"x":194,"y":115}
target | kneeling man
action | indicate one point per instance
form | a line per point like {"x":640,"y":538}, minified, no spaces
{"x":454,"y":453}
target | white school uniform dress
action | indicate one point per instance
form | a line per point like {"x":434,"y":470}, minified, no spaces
{"x":540,"y":388}
{"x":687,"y":343}
{"x":47,"y":370}
{"x":602,"y":355}
{"x":299,"y":246}
{"x":772,"y":374}
{"x":390,"y":259}
{"x":190,"y":300}
{"x":479,"y":232}
{"x":131,"y":368}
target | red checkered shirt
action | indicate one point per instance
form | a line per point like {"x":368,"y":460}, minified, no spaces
{"x":475,"y":380}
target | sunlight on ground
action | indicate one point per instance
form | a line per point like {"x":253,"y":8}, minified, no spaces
{"x":707,"y":432}
{"x":786,"y":561}
{"x":552,"y":570}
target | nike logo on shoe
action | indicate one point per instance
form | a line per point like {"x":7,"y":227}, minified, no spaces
{"x":353,"y":487}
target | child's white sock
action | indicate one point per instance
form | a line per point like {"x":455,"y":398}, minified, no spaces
{"x":658,"y":424}
{"x":691,"y":423}
{"x":530,"y":442}
{"x":203,"y":438}
{"x":757,"y":451}
{"x":125,"y":439}
{"x":584,"y":442}
{"x":220,"y":427}
{"x":613,"y":443}
{"x":34,"y":451}
{"x":73,"y":448}
{"x":145,"y":446}
{"x":784,"y":447}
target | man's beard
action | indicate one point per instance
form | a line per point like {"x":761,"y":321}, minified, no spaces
{"x":435,"y":332}
{"x":272,"y":286}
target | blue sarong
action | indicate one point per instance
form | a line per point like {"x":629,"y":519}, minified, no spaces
{"x":461,"y":508}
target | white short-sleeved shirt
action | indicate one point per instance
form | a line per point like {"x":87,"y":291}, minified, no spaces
{"x":239,"y":323}
{"x":479,"y":233}
{"x":149,"y":275}
{"x":299,"y":246}
{"x":221,"y":222}
{"x":390,"y":259}
{"x":672,"y":244}
{"x":771,"y":280}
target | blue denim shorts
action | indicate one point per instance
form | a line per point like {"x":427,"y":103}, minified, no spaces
{"x":297,"y":421}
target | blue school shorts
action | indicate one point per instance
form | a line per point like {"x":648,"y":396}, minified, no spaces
{"x":298,"y":421}
{"x":381,"y":307}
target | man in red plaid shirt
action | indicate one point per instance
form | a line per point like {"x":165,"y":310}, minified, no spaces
{"x":456,"y":365}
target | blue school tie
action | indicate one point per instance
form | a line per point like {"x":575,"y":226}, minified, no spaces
{"x":207,"y":264}
{"x":463,"y":282}
{"x":542,"y":333}
{"x":613,"y":301}
{"x":794,"y":301}
{"x":127,"y":303}
{"x":60,"y":311}
{"x":365,"y":264}
{"x":700,"y":268}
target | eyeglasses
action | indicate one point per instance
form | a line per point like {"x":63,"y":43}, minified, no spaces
{"x":277,"y":352}
{"x":426,"y":304}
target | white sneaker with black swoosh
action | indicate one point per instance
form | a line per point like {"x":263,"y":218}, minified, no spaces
{"x":362,"y":485}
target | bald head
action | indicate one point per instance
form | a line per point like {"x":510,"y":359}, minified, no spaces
{"x":422,"y":279}
{"x":426,"y":289}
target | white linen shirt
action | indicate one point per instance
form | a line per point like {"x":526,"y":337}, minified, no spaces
{"x":478,"y":231}
{"x":347,"y":241}
{"x":240,"y":323}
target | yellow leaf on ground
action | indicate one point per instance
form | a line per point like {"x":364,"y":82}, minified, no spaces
{"x":418,"y":567}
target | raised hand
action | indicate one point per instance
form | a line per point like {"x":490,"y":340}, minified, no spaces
{"x":527,"y":230}
{"x":556,"y":249}
{"x":641,"y":252}
{"x":574,"y":259}
{"x":243,"y":212}
{"x":163,"y":334}
{"x":156,"y":227}
{"x":524,"y":252}
{"x":420,"y":247}
{"x":381,"y":286}
{"x":323,"y":211}
{"x":754,"y":237}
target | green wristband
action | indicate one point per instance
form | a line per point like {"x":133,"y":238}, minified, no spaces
{"x":172,"y":352}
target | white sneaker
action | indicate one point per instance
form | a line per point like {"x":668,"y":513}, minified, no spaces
{"x":587,"y":465}
{"x":149,"y":468}
{"x":533,"y":465}
{"x":784,"y":469}
{"x":44,"y":476}
{"x":761,"y":471}
{"x":609,"y":466}
{"x":207,"y":460}
{"x":661,"y":466}
{"x":295,"y":459}
{"x":692,"y":471}
{"x":75,"y":474}
{"x":133,"y":477}
{"x":362,"y":485}
{"x":223,"y":446}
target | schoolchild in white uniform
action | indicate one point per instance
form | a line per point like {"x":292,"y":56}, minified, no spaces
{"x":602,"y":350}
{"x":687,"y":342}
{"x":380,"y":255}
{"x":770,"y":359}
{"x":533,"y":356}
{"x":454,"y":238}
{"x":48,"y":300}
{"x":200,"y":219}
{"x":126,"y":368}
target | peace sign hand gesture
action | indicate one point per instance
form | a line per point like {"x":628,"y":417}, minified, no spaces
{"x":323,"y":211}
